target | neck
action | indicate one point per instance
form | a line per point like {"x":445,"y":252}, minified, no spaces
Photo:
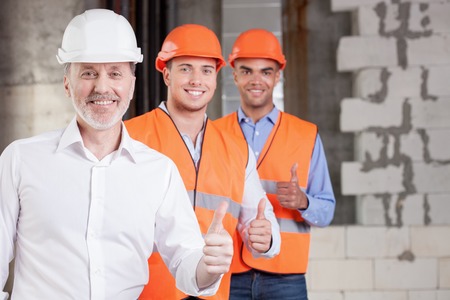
{"x":101,"y":142}
{"x":256,"y":113}
{"x":187,"y":122}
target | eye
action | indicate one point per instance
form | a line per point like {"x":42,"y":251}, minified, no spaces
{"x":88,"y":74}
{"x":208,"y":71}
{"x":115,"y":74}
{"x":184,"y":69}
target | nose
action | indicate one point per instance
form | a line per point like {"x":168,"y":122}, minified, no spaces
{"x":195,"y":79}
{"x":102,"y":84}
{"x":255,"y":78}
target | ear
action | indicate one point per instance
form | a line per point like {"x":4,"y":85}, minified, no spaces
{"x":166,"y":76}
{"x":66,"y":86}
{"x":133,"y":84}
{"x":277,"y":76}
{"x":235,"y":76}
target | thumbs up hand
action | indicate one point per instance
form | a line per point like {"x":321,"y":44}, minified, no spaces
{"x":260,"y":230}
{"x":218,"y":250}
{"x":289,"y":193}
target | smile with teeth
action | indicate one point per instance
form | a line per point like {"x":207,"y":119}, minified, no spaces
{"x":103,"y":102}
{"x":195,"y":93}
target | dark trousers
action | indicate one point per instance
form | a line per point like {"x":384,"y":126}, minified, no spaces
{"x":257,"y":285}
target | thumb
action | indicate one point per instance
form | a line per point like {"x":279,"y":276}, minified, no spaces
{"x":294,"y":172}
{"x":216,"y":224}
{"x":261,"y":208}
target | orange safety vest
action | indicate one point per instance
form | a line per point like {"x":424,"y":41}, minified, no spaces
{"x":220,"y":176}
{"x":291,"y":140}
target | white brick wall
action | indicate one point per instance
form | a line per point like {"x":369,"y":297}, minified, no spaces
{"x":438,"y":80}
{"x":376,"y":295}
{"x":328,"y":243}
{"x":362,"y":52}
{"x":349,"y":274}
{"x":444,"y":273}
{"x":431,"y":177}
{"x":376,"y":242}
{"x":430,"y":241}
{"x":358,"y":115}
{"x":400,"y":82}
{"x":400,"y":115}
{"x":430,"y":113}
{"x":356,"y":181}
{"x":393,"y":274}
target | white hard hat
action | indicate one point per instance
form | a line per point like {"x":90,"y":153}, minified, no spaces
{"x":99,"y":36}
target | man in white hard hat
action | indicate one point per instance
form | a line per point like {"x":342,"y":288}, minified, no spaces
{"x":81,"y":208}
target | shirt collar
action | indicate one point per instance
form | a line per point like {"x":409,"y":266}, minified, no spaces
{"x":163,"y":106}
{"x":71,"y":137}
{"x":272,"y":116}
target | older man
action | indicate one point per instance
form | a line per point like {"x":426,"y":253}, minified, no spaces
{"x":81,"y":208}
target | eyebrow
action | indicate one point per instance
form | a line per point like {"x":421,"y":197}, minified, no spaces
{"x":190,"y":65}
{"x":263,"y":69}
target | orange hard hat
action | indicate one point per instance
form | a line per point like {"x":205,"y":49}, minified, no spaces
{"x":257,"y":43}
{"x":190,"y":40}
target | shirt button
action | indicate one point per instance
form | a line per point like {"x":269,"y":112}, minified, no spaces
{"x":257,"y":133}
{"x":256,"y":153}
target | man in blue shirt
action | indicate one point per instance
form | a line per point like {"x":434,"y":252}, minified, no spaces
{"x":292,"y":167}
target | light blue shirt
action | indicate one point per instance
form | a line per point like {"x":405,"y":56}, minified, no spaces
{"x":319,"y":191}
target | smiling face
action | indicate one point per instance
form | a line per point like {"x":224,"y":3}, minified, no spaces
{"x":100,"y":92}
{"x":191,"y":82}
{"x":255,"y":79}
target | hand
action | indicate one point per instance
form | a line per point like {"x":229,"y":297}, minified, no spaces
{"x":218,"y":250}
{"x":260,"y":230}
{"x":289,"y":193}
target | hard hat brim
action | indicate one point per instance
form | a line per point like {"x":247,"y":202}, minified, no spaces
{"x":124,"y":56}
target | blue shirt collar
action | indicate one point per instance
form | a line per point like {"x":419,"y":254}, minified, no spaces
{"x":272,"y":116}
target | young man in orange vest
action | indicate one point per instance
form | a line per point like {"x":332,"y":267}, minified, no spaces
{"x":291,"y":164}
{"x":213,"y":164}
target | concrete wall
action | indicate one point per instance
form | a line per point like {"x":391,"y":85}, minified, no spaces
{"x":31,"y":91}
{"x":399,"y":114}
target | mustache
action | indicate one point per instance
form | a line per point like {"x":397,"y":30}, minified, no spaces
{"x":96,"y":97}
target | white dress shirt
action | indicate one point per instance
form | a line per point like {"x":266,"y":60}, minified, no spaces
{"x":81,"y":228}
{"x":253,"y":193}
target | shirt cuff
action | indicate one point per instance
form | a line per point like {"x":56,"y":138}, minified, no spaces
{"x":186,"y":281}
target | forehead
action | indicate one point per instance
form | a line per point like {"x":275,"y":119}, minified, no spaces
{"x":256,"y":63}
{"x":106,"y":66}
{"x":194,"y":61}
